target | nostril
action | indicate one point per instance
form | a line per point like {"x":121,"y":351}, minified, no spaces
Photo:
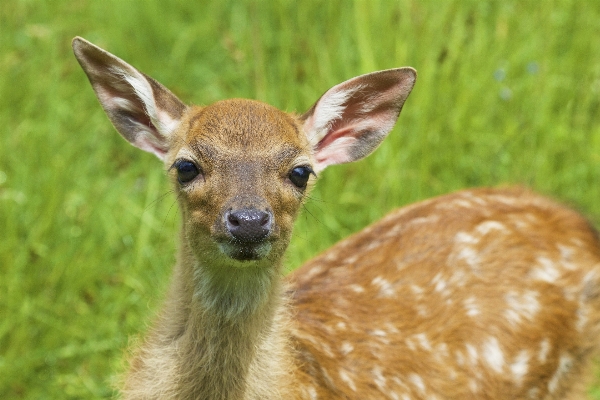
{"x":233,"y":219}
{"x":265,"y":219}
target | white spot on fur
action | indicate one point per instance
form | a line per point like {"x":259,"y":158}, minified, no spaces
{"x":472,"y":308}
{"x":346,"y":348}
{"x":564,"y":365}
{"x":312,"y":392}
{"x":590,"y":279}
{"x":346,"y":378}
{"x":424,"y":220}
{"x":463,"y":243}
{"x":386,"y":289}
{"x":577,"y":243}
{"x":589,"y":286}
{"x":372,"y":246}
{"x":461,"y":203}
{"x":380,"y":380}
{"x":416,"y":289}
{"x":566,"y":256}
{"x":492,"y":353}
{"x":544,"y":350}
{"x":460,"y":358}
{"x":504,"y":199}
{"x":473,"y":386}
{"x":521,"y":306}
{"x":356,"y":288}
{"x":486,"y":227}
{"x":474,"y":198}
{"x":469,"y":255}
{"x":341,"y":326}
{"x":520,"y":366}
{"x":314,"y":271}
{"x":546,"y":272}
{"x":440,"y":284}
{"x":400,"y":264}
{"x":317,"y":343}
{"x":465,"y":238}
{"x":423,"y":341}
{"x":472,"y":352}
{"x":351,"y":260}
{"x":417,"y":381}
{"x":399,"y":382}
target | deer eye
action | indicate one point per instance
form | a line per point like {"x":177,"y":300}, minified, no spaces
{"x":186,"y":170}
{"x":299,"y":176}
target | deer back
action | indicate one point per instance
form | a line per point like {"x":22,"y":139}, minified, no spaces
{"x":478,"y":294}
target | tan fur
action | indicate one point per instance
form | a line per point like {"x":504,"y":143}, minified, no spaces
{"x":480,"y":294}
{"x":432,"y":290}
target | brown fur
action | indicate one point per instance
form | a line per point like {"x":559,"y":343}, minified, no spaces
{"x":480,"y":294}
{"x":428,"y":289}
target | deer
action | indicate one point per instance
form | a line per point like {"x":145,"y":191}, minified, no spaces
{"x":485,"y":293}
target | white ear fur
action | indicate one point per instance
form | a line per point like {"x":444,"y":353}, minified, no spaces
{"x":141,"y":109}
{"x":351,"y":119}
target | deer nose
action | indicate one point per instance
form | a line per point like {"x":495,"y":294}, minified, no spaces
{"x":249,"y":225}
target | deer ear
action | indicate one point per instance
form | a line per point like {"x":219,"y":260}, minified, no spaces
{"x":141,"y":109}
{"x":351,"y":119}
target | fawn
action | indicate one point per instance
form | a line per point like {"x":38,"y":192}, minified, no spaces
{"x":483,"y":294}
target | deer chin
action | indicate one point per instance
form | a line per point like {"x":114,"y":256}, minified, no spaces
{"x":245,"y":251}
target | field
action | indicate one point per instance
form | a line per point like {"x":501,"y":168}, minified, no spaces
{"x":508,"y":93}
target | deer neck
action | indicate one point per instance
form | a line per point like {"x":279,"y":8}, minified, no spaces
{"x":230,"y":329}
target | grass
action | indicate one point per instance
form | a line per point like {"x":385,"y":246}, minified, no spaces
{"x":508,"y":93}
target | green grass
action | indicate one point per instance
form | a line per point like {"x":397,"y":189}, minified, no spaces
{"x":508,"y":93}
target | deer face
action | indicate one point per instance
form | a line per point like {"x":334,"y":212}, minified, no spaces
{"x":241,"y":170}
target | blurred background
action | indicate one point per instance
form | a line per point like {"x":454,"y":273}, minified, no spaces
{"x":508,"y":93}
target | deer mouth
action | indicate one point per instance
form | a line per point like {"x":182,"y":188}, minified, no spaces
{"x":241,"y":251}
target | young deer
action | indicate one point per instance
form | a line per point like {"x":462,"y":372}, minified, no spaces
{"x":483,"y":294}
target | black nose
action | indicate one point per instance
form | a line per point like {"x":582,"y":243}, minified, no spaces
{"x":249,"y":225}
